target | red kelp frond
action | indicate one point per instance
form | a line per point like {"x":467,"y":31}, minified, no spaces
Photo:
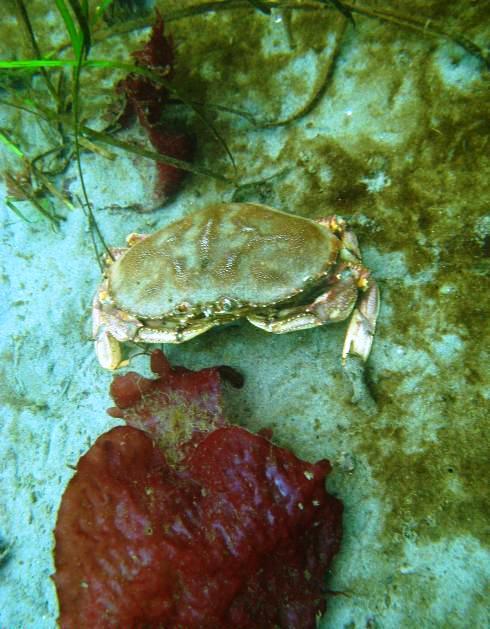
{"x":158,"y":53}
{"x":239,"y":535}
{"x":148,"y":98}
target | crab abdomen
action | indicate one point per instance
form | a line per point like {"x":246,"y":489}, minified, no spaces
{"x":244,"y":252}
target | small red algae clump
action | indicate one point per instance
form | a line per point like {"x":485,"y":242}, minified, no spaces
{"x":148,"y":99}
{"x":230,"y":531}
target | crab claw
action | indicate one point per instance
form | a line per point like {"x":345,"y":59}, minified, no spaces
{"x":108,"y":351}
{"x":359,"y":335}
{"x":109,"y":330}
{"x":107,"y":348}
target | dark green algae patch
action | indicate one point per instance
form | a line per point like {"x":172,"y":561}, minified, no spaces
{"x":436,"y":490}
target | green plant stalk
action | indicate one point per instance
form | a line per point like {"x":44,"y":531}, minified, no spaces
{"x":10,"y":145}
{"x":51,"y":216}
{"x":156,"y":157}
{"x":129,"y":68}
{"x":48,"y":115}
{"x":45,"y":181}
{"x":11,"y":205}
{"x":24,"y":16}
{"x":74,"y":34}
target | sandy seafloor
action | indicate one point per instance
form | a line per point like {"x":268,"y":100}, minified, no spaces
{"x":397,"y":142}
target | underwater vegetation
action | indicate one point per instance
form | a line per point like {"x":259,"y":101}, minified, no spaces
{"x":61,"y":105}
{"x":181,"y":519}
{"x":147,"y":100}
{"x":61,"y":97}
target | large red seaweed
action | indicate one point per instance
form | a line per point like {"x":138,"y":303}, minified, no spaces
{"x":206,"y":526}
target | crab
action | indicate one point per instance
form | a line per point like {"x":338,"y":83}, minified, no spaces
{"x":233,"y":261}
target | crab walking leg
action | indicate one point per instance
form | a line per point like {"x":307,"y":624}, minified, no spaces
{"x":295,"y":320}
{"x":362,"y":325}
{"x":335,"y":304}
{"x":179,"y":335}
{"x":350,"y":251}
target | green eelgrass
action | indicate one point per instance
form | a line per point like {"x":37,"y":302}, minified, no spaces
{"x":25,"y":190}
{"x":130,"y":68}
{"x":78,"y":29}
{"x":78,"y":24}
{"x":79,"y":33}
{"x":85,"y":132}
{"x":10,"y":145}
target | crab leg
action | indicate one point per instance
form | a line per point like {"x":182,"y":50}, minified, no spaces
{"x":335,"y":304}
{"x":110,"y":329}
{"x":108,"y":351}
{"x":296,"y":319}
{"x":360,"y":332}
{"x":179,"y":335}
